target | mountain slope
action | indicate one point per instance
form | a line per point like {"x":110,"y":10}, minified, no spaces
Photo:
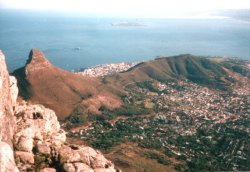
{"x":196,"y":69}
{"x":71,"y":94}
{"x":41,"y":82}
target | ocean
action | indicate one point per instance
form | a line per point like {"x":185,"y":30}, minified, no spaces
{"x":79,"y":41}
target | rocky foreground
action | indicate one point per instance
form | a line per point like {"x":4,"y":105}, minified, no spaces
{"x":31,"y":138}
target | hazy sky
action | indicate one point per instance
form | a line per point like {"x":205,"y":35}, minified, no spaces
{"x":139,"y":8}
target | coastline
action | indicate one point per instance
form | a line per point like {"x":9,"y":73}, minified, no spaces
{"x":106,"y":69}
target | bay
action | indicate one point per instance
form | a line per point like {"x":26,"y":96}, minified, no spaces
{"x":74,"y":41}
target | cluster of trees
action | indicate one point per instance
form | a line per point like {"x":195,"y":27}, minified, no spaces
{"x":117,"y":134}
{"x":159,"y":158}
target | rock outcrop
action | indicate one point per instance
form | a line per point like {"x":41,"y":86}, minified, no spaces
{"x":36,"y":62}
{"x":7,"y":122}
{"x":41,"y":143}
{"x":32,"y":134}
{"x":6,"y":104}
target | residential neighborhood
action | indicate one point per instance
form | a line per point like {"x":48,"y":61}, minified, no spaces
{"x":106,"y":69}
{"x":183,"y":119}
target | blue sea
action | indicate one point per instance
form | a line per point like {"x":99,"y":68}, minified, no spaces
{"x":73,"y":41}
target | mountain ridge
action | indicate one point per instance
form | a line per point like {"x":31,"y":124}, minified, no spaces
{"x":196,"y":69}
{"x":66,"y":92}
{"x":42,"y":82}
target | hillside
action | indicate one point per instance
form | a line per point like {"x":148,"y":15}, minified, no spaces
{"x":71,"y":94}
{"x":184,"y":67}
{"x":41,"y":82}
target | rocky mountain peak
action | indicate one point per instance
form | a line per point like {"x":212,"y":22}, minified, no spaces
{"x":37,"y":61}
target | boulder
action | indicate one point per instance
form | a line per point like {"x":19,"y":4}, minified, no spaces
{"x":43,"y":120}
{"x":58,"y":138}
{"x":68,"y":155}
{"x":25,"y":143}
{"x":36,"y":123}
{"x":43,"y":148}
{"x":68,"y":167}
{"x":94,"y":158}
{"x":83,"y":154}
{"x":24,"y":157}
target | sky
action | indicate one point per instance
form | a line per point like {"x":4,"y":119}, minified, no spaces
{"x":138,"y":8}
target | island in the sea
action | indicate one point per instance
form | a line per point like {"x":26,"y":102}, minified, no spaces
{"x":127,"y":24}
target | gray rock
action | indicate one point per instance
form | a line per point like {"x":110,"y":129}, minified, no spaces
{"x":86,"y":155}
{"x":7,"y":162}
{"x":25,"y":143}
{"x":41,"y":120}
{"x":94,"y":158}
{"x":58,"y":138}
{"x":68,"y":167}
{"x":43,"y":148}
{"x":24,"y":157}
{"x":66,"y":155}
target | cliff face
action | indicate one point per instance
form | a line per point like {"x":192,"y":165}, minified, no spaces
{"x":7,"y":122}
{"x":6,"y":110}
{"x":31,"y":138}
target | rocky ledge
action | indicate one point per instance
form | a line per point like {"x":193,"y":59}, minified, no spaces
{"x":31,"y":138}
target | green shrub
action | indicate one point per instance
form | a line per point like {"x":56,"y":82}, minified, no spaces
{"x":41,"y":161}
